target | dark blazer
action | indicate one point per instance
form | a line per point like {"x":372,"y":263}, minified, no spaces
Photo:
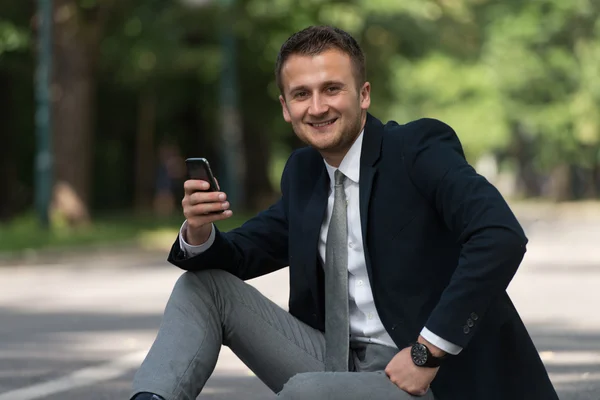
{"x":441,"y":246}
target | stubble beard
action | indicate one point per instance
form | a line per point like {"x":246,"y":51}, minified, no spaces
{"x":342,"y":141}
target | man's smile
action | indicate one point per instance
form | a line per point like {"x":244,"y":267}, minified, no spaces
{"x":323,"y":124}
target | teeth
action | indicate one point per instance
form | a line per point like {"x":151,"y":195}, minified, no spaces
{"x":323,"y":124}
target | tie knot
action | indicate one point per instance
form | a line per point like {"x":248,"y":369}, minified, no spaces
{"x":339,"y":177}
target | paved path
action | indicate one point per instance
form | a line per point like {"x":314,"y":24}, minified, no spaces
{"x":72,"y":332}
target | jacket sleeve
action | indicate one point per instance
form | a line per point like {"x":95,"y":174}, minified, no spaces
{"x":492,"y":241}
{"x":258,"y":247}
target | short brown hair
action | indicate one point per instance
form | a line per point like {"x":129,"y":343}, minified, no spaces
{"x":317,"y":39}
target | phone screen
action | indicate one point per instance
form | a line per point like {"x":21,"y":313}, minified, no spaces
{"x":199,"y":169}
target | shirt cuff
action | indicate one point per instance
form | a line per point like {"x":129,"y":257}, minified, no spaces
{"x":443,"y":344}
{"x":190,"y":251}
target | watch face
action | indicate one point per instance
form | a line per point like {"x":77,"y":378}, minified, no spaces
{"x":419,"y":354}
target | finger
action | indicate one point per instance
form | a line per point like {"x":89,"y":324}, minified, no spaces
{"x":195,"y":185}
{"x":411,"y":389}
{"x":205,"y":219}
{"x":207,"y":208}
{"x":388,"y":371}
{"x":421,"y":392}
{"x":207,"y":197}
{"x":224,"y":215}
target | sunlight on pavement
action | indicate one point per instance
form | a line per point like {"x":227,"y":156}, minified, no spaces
{"x":571,"y":358}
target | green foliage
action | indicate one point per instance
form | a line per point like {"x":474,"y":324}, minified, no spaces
{"x":546,"y":53}
{"x":12,"y":37}
{"x":145,"y":42}
{"x":497,"y":71}
{"x":462,"y":95}
{"x":485,"y":67}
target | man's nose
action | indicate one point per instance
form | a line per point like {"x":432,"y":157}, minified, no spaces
{"x":318,"y":105}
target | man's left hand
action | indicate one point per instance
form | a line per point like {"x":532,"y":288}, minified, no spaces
{"x":407,"y":376}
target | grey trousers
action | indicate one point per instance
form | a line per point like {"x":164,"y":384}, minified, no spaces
{"x":213,"y":308}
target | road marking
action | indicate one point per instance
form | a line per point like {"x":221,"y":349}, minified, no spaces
{"x":574,"y":377}
{"x":83,"y":377}
{"x":566,"y":358}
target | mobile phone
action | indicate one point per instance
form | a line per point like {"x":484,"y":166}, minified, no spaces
{"x":199,"y":169}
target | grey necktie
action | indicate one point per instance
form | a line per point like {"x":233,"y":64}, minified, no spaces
{"x":337,"y":330}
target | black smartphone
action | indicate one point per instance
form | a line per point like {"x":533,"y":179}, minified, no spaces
{"x":199,"y":169}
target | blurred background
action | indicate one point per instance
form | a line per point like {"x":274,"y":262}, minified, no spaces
{"x":135,"y":86}
{"x":102,"y":100}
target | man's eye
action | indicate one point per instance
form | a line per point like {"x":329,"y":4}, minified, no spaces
{"x":333,"y":89}
{"x":300,"y":94}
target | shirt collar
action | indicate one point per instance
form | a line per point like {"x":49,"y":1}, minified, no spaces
{"x":350,"y":165}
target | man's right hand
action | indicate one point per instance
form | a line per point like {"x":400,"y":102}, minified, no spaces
{"x":201,"y":209}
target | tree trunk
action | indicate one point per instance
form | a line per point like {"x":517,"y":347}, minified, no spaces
{"x":73,"y":105}
{"x":561,"y":183}
{"x":522,"y":148}
{"x":594,"y":182}
{"x":8,"y":168}
{"x":144,"y":165}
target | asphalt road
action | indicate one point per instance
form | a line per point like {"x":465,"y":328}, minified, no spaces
{"x":73,"y":331}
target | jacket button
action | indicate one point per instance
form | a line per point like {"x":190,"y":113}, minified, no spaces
{"x":470,"y":323}
{"x":474,"y":316}
{"x":466,"y":330}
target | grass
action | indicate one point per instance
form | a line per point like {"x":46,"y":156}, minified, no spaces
{"x":23,"y":234}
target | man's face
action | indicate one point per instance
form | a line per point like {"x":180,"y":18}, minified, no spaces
{"x":323,"y":103}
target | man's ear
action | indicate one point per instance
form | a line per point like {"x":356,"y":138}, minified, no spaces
{"x":286,"y":112}
{"x":365,"y":96}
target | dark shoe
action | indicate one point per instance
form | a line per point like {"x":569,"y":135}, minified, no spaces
{"x":147,"y":396}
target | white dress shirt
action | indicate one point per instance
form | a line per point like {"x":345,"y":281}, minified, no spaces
{"x":365,"y":324}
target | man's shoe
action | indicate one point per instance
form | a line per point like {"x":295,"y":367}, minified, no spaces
{"x":147,"y":396}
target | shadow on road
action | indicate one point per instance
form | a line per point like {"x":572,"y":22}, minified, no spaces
{"x":41,"y":346}
{"x":572,"y":358}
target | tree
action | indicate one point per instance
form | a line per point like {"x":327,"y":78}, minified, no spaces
{"x":16,"y":98}
{"x":78,"y":29}
{"x":517,"y":80}
{"x":546,"y":55}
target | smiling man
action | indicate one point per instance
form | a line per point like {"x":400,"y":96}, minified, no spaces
{"x":399,"y":256}
{"x":325,"y":104}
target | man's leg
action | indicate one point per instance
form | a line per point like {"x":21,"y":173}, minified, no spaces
{"x":210,"y":308}
{"x":369,"y":380}
{"x":345,"y":386}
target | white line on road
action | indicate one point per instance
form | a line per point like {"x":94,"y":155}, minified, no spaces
{"x":83,"y":377}
{"x":565,"y":358}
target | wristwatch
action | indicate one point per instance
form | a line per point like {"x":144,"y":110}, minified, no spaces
{"x":422,"y":357}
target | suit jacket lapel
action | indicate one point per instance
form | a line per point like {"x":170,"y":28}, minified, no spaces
{"x":315,"y":209}
{"x":311,"y":227}
{"x":371,"y":150}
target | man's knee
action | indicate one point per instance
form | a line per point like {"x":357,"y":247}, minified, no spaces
{"x":208,"y":279}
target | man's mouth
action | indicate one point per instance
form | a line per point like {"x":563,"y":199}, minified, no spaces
{"x":322,"y":124}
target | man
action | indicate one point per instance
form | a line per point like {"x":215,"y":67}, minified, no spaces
{"x":399,"y":257}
